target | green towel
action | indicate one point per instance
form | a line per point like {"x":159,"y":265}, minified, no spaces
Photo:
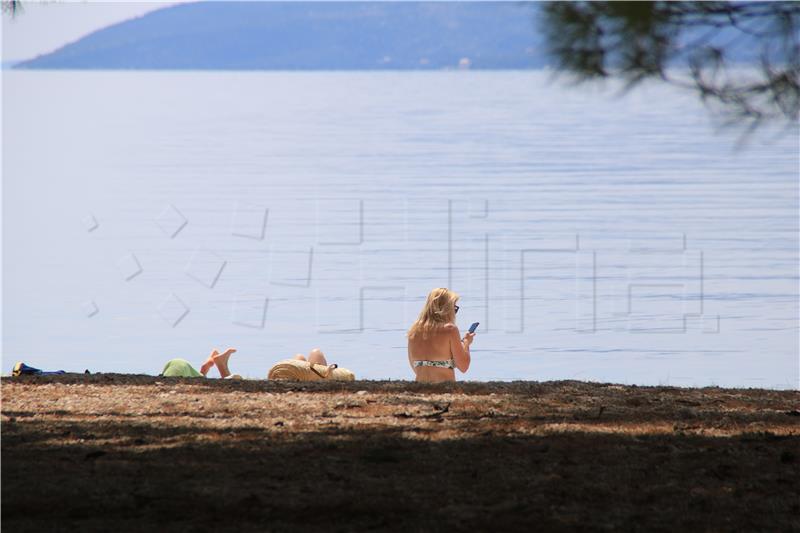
{"x":180,"y":368}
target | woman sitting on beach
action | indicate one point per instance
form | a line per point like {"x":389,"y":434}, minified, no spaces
{"x":435,"y":346}
{"x":181,"y":368}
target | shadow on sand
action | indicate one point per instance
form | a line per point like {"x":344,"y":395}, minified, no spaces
{"x":180,"y":476}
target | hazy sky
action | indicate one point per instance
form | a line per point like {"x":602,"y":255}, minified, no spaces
{"x":44,"y":26}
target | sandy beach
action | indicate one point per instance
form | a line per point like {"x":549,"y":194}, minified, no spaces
{"x":132,"y":453}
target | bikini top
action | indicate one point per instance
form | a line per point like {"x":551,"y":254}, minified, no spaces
{"x":450,"y":363}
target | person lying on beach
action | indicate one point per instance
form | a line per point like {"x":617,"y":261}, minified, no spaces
{"x":182,"y":368}
{"x":313,"y":368}
{"x":435,"y":346}
{"x":315,"y":356}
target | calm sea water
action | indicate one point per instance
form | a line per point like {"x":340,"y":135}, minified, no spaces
{"x":151,"y":215}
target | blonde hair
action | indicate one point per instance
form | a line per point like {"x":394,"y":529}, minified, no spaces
{"x":439,"y":310}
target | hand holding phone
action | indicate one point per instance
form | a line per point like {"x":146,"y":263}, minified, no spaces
{"x":471,"y":333}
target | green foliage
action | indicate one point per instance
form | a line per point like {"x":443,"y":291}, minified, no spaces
{"x":634,"y":41}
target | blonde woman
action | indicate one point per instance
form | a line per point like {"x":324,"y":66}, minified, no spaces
{"x":435,"y":346}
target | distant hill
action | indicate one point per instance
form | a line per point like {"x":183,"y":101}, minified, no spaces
{"x":312,"y":36}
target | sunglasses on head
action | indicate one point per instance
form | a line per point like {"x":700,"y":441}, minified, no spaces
{"x":456,"y":308}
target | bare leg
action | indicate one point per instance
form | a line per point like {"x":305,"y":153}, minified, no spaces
{"x":300,"y":357}
{"x":221,"y":360}
{"x":316,"y":357}
{"x":209,"y":362}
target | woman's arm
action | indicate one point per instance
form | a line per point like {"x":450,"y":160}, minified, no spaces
{"x":460,"y":348}
{"x":411,"y":362}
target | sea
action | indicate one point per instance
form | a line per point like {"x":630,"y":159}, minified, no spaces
{"x":596,"y":234}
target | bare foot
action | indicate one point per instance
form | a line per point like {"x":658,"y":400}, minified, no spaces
{"x":221,"y":360}
{"x":209,"y":363}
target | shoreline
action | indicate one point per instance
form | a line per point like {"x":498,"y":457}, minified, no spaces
{"x":247,"y":383}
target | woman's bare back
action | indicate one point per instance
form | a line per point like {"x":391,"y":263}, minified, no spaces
{"x":437,"y":347}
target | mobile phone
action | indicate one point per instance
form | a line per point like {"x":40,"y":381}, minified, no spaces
{"x":473,"y":327}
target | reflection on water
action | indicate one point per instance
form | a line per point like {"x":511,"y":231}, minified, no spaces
{"x":150,"y":215}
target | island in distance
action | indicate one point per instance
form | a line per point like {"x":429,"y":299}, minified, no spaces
{"x":312,"y":36}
